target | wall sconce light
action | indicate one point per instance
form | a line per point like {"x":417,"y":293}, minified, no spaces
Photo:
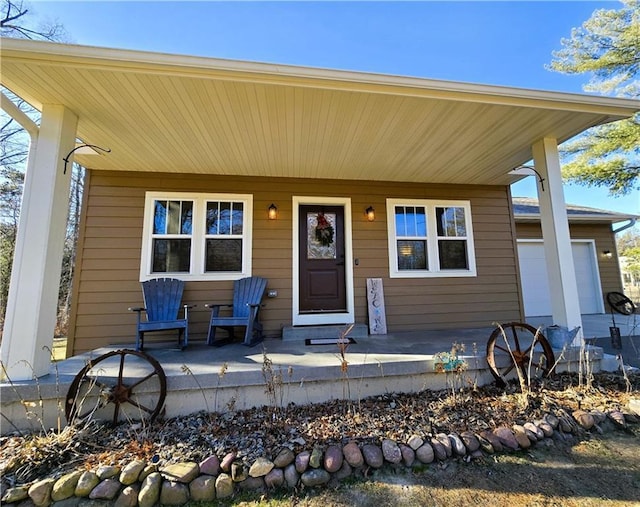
{"x":370,"y":213}
{"x":273,"y":212}
{"x":607,"y":254}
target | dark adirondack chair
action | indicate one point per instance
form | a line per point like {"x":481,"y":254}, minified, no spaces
{"x":162,"y":298}
{"x":247,"y":295}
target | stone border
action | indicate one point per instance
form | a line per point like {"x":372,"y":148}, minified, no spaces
{"x":143,"y":484}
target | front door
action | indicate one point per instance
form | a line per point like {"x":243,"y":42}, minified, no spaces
{"x":321,"y":254}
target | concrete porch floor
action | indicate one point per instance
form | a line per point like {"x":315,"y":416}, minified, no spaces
{"x":217,"y":378}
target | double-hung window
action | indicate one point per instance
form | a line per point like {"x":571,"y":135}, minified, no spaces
{"x":429,"y":238}
{"x":194,"y":236}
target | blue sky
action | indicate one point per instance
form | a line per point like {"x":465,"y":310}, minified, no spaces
{"x":500,"y":43}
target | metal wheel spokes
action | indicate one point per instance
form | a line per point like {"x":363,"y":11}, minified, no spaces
{"x":520,"y":345}
{"x":620,"y":303}
{"x":133,"y":382}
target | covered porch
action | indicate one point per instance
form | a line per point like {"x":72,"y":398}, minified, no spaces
{"x":235,"y":377}
{"x":248,"y":120}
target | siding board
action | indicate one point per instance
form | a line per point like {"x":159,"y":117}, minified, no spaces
{"x":108,"y":280}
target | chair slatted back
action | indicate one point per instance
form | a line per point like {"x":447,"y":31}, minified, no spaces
{"x":247,"y":291}
{"x":162,"y":298}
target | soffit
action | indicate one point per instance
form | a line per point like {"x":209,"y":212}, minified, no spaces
{"x":167,"y":113}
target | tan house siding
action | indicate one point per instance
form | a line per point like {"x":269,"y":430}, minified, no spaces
{"x":604,"y":238}
{"x":107,"y":281}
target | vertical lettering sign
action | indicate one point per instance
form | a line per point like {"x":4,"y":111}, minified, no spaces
{"x":375,"y":300}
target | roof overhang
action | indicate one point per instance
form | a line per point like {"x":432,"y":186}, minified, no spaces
{"x":185,"y":114}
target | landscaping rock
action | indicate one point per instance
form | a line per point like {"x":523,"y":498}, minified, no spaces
{"x":353,"y":455}
{"x":506,"y":438}
{"x":345,"y":471}
{"x":408,"y":455}
{"x":485,"y":445}
{"x":446,"y":443}
{"x":521,"y":436}
{"x":316,"y":477}
{"x":252,"y":484}
{"x":584,"y":419}
{"x":86,"y":482}
{"x":457,"y":445}
{"x":238,"y":471}
{"x":438,"y":449}
{"x":224,"y":486}
{"x":128,"y":497}
{"x":183,"y":472}
{"x":315,"y":460}
{"x":552,"y":420}
{"x":16,"y":494}
{"x":229,"y":458}
{"x":470,"y":441}
{"x":291,"y":476}
{"x":546,"y":428}
{"x":537,"y":432}
{"x":391,"y":451}
{"x":131,"y":472}
{"x":203,"y":488}
{"x":274,"y":479}
{"x":493,"y":439}
{"x":598,"y":416}
{"x":147,"y":470}
{"x":261,"y":467}
{"x":65,"y":486}
{"x":107,"y":471}
{"x":415,"y":441}
{"x":284,"y":458}
{"x":174,"y":493}
{"x":150,"y":490}
{"x":302,"y":461}
{"x":372,"y":455}
{"x":210,"y":465}
{"x":618,"y":418}
{"x":425,"y":453}
{"x":634,"y":406}
{"x":106,"y":490}
{"x":333,"y":458}
{"x":40,"y":492}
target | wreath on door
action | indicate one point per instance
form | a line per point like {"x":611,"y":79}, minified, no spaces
{"x":324,"y":230}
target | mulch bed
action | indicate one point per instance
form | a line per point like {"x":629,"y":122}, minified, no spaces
{"x":264,"y":431}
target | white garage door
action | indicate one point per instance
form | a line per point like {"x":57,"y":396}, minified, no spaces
{"x":535,"y":284}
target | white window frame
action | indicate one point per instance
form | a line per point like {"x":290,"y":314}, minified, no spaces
{"x":198,"y":241}
{"x":433,"y":257}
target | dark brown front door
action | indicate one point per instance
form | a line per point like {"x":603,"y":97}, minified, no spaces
{"x":322,"y":268}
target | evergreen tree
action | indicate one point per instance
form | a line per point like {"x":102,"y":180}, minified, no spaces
{"x":607,"y":47}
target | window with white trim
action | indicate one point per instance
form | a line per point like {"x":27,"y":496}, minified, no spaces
{"x":429,"y":238}
{"x":195,"y":236}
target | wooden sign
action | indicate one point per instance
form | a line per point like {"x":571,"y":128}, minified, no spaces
{"x":375,"y":301}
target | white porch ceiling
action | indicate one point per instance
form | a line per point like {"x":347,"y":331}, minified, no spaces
{"x":182,"y":114}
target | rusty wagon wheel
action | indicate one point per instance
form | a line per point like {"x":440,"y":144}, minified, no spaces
{"x":133,"y":382}
{"x":519,"y":344}
{"x":620,"y":303}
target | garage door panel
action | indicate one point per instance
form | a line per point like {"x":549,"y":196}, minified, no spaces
{"x":535,"y":282}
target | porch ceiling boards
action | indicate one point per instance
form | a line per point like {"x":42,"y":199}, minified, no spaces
{"x":185,"y":114}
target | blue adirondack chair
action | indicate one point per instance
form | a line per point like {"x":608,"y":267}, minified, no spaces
{"x":247,"y":295}
{"x":162,"y":298}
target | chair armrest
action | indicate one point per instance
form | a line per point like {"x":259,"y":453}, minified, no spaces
{"x":186,"y":310}
{"x":214,"y":305}
{"x":137,"y":309}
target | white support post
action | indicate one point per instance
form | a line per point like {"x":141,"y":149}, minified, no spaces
{"x":565,"y":303}
{"x":30,"y":319}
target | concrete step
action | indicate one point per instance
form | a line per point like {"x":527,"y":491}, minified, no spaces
{"x":301,"y":333}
